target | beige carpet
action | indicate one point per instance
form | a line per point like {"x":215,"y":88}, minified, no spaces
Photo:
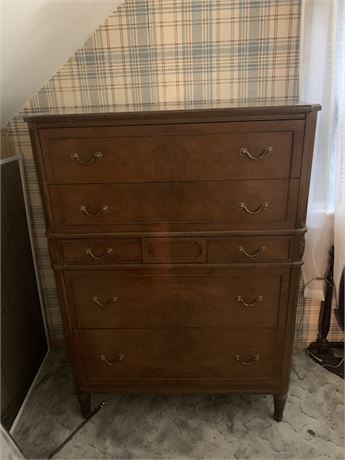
{"x":187,"y":427}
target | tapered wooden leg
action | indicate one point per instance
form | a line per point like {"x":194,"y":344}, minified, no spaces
{"x":85,"y":404}
{"x":279,"y":405}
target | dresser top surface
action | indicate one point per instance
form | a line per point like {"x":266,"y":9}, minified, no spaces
{"x":173,"y":112}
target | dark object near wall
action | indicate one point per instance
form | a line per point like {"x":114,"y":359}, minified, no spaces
{"x":339,"y":312}
{"x":326,"y":305}
{"x":329,"y":355}
{"x":23,"y":340}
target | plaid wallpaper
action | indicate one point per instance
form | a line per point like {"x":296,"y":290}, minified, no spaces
{"x":161,"y":51}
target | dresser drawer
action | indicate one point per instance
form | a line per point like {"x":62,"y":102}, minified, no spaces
{"x":237,"y":204}
{"x":100,"y":252}
{"x":217,"y":151}
{"x":111,"y":298}
{"x":248,"y":249}
{"x":112,"y":354}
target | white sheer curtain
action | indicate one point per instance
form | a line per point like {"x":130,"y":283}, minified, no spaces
{"x":322,"y":80}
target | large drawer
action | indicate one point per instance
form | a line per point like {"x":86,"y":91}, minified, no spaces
{"x":235,"y":204}
{"x":154,"y":299}
{"x":146,"y":354}
{"x":174,"y":250}
{"x":215,"y":151}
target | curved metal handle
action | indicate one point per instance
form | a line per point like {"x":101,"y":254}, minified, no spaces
{"x":245,"y":153}
{"x":101,"y":304}
{"x":90,"y":161}
{"x":103,"y":208}
{"x":89,"y":252}
{"x":241,"y":300}
{"x":247,"y":362}
{"x":118,"y":358}
{"x":255,"y":211}
{"x":252,"y":254}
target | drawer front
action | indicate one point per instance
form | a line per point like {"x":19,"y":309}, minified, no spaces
{"x":238,"y":204}
{"x":100,"y":252}
{"x":174,"y":250}
{"x":253,"y":298}
{"x":248,"y":249}
{"x":215,"y":151}
{"x":112,"y":354}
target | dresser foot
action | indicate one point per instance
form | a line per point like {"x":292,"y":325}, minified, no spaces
{"x":85,"y":404}
{"x":279,"y":405}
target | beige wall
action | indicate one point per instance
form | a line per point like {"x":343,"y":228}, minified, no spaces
{"x":37,"y":38}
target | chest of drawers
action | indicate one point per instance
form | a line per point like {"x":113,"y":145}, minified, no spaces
{"x":176,"y":238}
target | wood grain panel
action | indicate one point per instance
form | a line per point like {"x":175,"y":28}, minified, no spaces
{"x":174,"y":153}
{"x":124,"y":300}
{"x":178,"y":353}
{"x":175,"y":203}
{"x":174,"y":250}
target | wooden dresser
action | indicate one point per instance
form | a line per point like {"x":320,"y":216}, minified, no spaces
{"x":177,"y":237}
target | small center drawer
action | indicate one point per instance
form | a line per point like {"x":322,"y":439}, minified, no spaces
{"x":123,"y":299}
{"x":178,"y":354}
{"x":174,"y":250}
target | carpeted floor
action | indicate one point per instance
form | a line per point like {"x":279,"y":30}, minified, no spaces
{"x":186,"y":427}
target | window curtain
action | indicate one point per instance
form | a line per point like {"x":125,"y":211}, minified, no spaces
{"x":322,"y":80}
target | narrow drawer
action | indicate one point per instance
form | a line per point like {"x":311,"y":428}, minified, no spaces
{"x":248,"y":249}
{"x":207,"y":152}
{"x":121,"y":299}
{"x":178,"y":354}
{"x":237,"y":204}
{"x":93,"y":251}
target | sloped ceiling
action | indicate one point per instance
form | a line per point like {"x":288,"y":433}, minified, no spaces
{"x":37,"y":38}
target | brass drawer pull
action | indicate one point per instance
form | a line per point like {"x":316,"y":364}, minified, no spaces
{"x":245,"y":153}
{"x":103,"y":208}
{"x":241,"y":300}
{"x":252,"y":254}
{"x":101,"y":304}
{"x":118,"y":358}
{"x":90,"y":161}
{"x":255,"y":211}
{"x":102,"y":256}
{"x":247,"y":362}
